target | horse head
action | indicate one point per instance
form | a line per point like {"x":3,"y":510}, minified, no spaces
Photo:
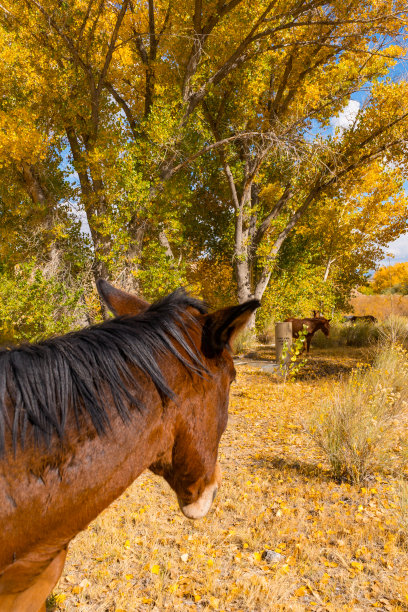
{"x":200,"y":407}
{"x":324,"y":325}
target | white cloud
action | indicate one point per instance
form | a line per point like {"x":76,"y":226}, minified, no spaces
{"x":399,"y":250}
{"x":346,"y":118}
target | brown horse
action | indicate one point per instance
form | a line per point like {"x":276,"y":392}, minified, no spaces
{"x":82,"y":415}
{"x":361,"y":318}
{"x":313,"y":325}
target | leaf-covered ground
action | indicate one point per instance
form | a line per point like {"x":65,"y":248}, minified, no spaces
{"x":282,"y":534}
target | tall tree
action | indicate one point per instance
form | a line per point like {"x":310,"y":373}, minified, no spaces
{"x":142,"y":93}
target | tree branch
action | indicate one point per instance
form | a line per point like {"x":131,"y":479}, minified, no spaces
{"x":112,"y":43}
{"x":125,"y":107}
{"x":266,"y":223}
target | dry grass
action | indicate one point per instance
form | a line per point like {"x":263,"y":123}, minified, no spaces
{"x":357,"y":425}
{"x":245,"y":341}
{"x":341,"y":546}
{"x":392,"y":329}
{"x":380,"y":306}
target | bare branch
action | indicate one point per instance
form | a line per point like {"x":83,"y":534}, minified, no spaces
{"x":210,"y":147}
{"x":125,"y":107}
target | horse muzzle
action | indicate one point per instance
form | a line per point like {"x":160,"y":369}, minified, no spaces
{"x":201,"y":506}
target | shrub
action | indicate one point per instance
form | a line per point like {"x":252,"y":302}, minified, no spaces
{"x":245,"y":341}
{"x":353,"y":427}
{"x":361,"y":333}
{"x":393,"y":330}
{"x":267,"y":334}
{"x":35,"y":303}
{"x":335,"y":338}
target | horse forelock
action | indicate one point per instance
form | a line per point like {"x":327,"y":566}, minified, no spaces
{"x":46,"y":381}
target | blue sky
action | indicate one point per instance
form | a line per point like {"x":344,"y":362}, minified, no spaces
{"x":399,"y":250}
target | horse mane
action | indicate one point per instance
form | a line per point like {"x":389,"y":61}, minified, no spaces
{"x":47,"y":380}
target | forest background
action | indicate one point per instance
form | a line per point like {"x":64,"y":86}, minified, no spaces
{"x":195,"y":140}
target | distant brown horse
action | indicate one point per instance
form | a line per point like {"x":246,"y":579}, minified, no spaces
{"x":359,"y":318}
{"x":82,"y":415}
{"x":313,"y":325}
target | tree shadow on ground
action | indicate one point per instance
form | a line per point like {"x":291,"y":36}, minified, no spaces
{"x":320,"y":366}
{"x":302,"y":468}
{"x":317,"y":366}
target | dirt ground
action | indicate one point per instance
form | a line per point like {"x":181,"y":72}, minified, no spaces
{"x":282,"y":534}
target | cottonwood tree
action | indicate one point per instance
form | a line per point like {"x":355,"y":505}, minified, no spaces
{"x":141,"y":93}
{"x":333,"y":247}
{"x":279,"y":176}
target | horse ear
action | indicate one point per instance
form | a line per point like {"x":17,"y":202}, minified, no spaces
{"x":118,"y":301}
{"x":222,"y":326}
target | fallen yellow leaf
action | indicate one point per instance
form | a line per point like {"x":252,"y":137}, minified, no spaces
{"x":300,"y":591}
{"x":357,"y":565}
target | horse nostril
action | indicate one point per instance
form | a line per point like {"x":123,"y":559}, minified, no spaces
{"x":214,"y":494}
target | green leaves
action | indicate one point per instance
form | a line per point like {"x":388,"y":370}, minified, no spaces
{"x":35,"y":304}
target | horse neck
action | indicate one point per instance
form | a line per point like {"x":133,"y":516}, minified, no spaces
{"x":94,"y":470}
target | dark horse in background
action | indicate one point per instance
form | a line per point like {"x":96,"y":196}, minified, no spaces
{"x":313,"y":324}
{"x":82,"y":415}
{"x":358,"y":318}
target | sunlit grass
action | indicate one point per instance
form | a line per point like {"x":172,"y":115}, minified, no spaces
{"x":354,"y":424}
{"x":338,"y":546}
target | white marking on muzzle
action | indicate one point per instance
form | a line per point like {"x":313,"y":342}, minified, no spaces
{"x":201,"y":506}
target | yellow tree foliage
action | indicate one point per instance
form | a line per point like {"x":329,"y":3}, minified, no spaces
{"x":135,"y":98}
{"x":391,"y":278}
{"x":349,"y":230}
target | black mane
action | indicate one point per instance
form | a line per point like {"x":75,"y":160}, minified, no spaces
{"x":47,"y":380}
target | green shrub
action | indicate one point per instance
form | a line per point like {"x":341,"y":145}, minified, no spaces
{"x":335,"y":338}
{"x":353,"y":427}
{"x":361,"y":333}
{"x":393,"y":330}
{"x":35,"y":303}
